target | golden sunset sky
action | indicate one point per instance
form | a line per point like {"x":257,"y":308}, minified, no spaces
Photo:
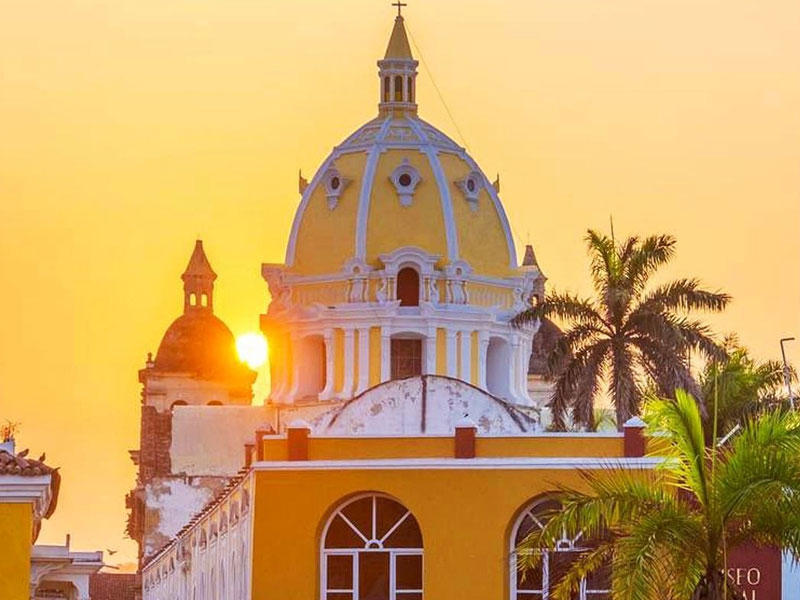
{"x":130,"y":127}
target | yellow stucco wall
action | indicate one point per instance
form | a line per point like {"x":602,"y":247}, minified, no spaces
{"x":441,"y":351}
{"x":465,"y":517}
{"x":391,"y":225}
{"x":550,"y":446}
{"x":338,"y":360}
{"x":326,"y":238}
{"x":16,"y":527}
{"x":481,"y":239}
{"x":374,"y":356}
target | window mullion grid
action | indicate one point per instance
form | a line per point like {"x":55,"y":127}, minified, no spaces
{"x":546,"y":575}
{"x":392,"y":575}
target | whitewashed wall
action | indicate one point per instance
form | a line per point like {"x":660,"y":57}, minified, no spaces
{"x":212,"y":559}
{"x":400,"y":407}
{"x":209,"y":440}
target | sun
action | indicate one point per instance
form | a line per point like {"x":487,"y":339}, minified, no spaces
{"x":252,"y":349}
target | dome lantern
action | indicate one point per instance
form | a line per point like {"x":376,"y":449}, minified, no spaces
{"x":398,"y":71}
{"x":198,"y":282}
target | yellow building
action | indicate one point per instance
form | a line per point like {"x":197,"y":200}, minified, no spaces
{"x":28,"y":494}
{"x":405,"y":455}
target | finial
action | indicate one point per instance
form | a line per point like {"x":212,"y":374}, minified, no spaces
{"x":496,"y":184}
{"x":399,"y":6}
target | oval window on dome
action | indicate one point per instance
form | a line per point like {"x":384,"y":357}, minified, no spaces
{"x":404,"y":180}
{"x":471,"y":184}
{"x":335,"y":183}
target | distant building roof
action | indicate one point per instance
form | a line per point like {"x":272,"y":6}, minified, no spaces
{"x":115,"y":586}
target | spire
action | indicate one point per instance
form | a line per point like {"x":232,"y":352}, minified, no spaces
{"x":198,"y":281}
{"x":398,"y":47}
{"x":530,"y":257}
{"x":398,"y":71}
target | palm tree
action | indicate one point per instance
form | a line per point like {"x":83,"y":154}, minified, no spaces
{"x":665,"y":532}
{"x":628,"y":333}
{"x":744,"y":386}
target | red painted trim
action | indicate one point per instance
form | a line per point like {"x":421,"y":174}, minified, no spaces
{"x":298,"y":443}
{"x":248,"y":455}
{"x":259,"y":445}
{"x":465,"y":442}
{"x":634,"y":442}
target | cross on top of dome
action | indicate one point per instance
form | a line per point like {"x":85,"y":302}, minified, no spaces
{"x":399,"y":6}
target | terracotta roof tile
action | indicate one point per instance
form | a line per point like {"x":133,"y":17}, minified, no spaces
{"x":18,"y":464}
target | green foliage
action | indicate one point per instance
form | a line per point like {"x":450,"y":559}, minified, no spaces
{"x":742,"y":386}
{"x":628,"y":336}
{"x":666,"y":531}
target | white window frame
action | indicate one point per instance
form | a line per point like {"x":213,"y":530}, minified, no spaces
{"x":371,"y":544}
{"x":565,"y":544}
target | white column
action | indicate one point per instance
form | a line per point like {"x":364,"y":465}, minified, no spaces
{"x":527,"y":344}
{"x":452,"y":367}
{"x":466,"y":356}
{"x":430,"y":352}
{"x":349,"y":363}
{"x":516,"y":353}
{"x":327,"y":391}
{"x":296,"y":362}
{"x":483,"y":347}
{"x":386,"y":354}
{"x":363,"y":360}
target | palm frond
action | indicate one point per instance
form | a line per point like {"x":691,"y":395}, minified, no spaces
{"x":680,"y":420}
{"x":652,"y":253}
{"x":562,"y":306}
{"x":683,"y":295}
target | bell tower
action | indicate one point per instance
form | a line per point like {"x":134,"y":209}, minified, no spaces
{"x":198,"y":282}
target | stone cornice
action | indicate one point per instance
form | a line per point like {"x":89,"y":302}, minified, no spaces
{"x":35,"y":490}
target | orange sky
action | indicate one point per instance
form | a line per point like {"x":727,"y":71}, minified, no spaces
{"x":129,"y":127}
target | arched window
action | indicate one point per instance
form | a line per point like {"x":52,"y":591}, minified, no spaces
{"x":215,"y":403}
{"x":398,"y":88}
{"x":387,"y":83}
{"x":410,"y":88}
{"x":408,"y":287}
{"x":538,"y":583}
{"x":372,"y":548}
{"x":177,"y":403}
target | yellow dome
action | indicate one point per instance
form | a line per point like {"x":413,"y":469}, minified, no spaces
{"x":399,"y":182}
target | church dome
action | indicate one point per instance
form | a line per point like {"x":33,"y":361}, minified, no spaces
{"x":201,"y":344}
{"x":397,"y":182}
{"x":198,"y":342}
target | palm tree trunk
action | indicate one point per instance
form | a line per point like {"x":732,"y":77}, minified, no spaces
{"x":712,"y":587}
